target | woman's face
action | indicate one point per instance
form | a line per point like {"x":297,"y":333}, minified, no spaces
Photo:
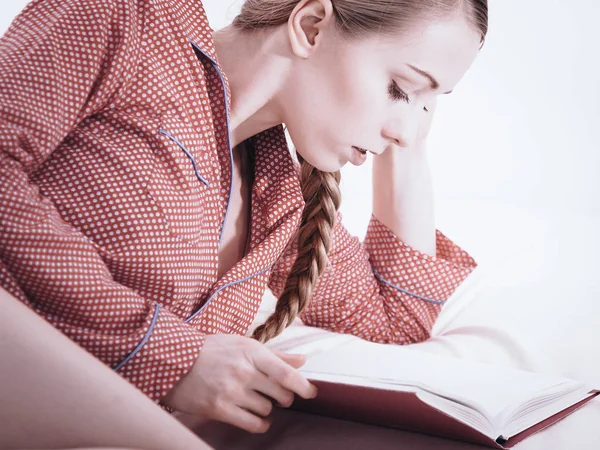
{"x":371,"y":93}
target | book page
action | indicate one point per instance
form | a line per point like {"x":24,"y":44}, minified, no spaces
{"x":488,"y":389}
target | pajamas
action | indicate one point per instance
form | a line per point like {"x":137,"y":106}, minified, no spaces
{"x":116,"y":170}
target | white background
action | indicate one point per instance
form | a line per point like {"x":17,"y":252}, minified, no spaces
{"x":516,"y":147}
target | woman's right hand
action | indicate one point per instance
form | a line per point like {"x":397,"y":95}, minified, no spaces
{"x":234,"y":380}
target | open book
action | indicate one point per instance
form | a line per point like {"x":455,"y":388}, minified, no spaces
{"x":459,"y":399}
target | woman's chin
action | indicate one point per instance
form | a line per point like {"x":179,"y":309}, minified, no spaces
{"x":331,"y":164}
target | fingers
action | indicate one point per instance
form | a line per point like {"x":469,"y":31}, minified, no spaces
{"x":256,"y":404}
{"x":273,"y":389}
{"x":243,"y":419}
{"x":293,"y":360}
{"x":287,"y":376}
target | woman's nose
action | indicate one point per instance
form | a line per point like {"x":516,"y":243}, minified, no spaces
{"x":401,"y":131}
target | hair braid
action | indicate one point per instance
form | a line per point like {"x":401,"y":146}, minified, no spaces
{"x":321,"y":191}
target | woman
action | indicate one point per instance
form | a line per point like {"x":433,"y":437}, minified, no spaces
{"x":149,"y":198}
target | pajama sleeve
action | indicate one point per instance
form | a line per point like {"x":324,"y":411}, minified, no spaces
{"x":60,"y":62}
{"x":381,"y":290}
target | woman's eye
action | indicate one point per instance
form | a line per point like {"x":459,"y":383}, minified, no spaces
{"x":396,"y":93}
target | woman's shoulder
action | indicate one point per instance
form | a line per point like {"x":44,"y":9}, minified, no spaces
{"x":77,"y":31}
{"x":79,"y":17}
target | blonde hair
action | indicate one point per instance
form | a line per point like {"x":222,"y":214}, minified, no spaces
{"x":354,"y":19}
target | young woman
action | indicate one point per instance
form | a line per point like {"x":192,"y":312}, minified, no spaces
{"x":148,"y":197}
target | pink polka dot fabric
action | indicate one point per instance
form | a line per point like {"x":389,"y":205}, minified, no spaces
{"x":115,"y":174}
{"x":381,"y":290}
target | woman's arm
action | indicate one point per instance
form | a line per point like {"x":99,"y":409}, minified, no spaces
{"x":51,"y":79}
{"x":403,"y":196}
{"x":403,"y":190}
{"x":55,"y":394}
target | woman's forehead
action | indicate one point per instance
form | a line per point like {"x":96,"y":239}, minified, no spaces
{"x":444,"y":50}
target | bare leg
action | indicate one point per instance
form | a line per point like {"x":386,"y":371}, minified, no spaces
{"x":54,"y":394}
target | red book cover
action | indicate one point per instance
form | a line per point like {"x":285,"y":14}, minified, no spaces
{"x":406,"y":411}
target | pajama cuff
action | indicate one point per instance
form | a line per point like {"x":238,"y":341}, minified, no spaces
{"x":166,"y":353}
{"x":425,"y":277}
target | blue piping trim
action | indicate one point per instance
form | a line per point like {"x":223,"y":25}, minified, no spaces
{"x":143,"y":341}
{"x":420,"y":297}
{"x":223,"y":287}
{"x":228,"y":139}
{"x":187,"y":153}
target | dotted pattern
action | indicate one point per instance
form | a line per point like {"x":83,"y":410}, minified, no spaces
{"x":103,"y":215}
{"x":349,"y":298}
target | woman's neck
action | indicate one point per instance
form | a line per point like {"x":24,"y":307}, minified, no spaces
{"x":256,"y":64}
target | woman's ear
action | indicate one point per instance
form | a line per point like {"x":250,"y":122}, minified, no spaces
{"x":307,"y":22}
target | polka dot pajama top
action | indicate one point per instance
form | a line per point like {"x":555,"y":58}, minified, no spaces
{"x":116,"y":173}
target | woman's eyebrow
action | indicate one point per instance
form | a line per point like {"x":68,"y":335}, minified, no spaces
{"x":434,"y":84}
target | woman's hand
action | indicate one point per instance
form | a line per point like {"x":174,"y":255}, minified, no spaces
{"x":234,"y":380}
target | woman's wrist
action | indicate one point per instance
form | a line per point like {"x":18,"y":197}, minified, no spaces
{"x":403,"y":196}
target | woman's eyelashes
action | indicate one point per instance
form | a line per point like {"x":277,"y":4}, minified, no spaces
{"x":398,"y":94}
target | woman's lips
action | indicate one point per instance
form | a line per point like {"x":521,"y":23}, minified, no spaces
{"x":358,"y":156}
